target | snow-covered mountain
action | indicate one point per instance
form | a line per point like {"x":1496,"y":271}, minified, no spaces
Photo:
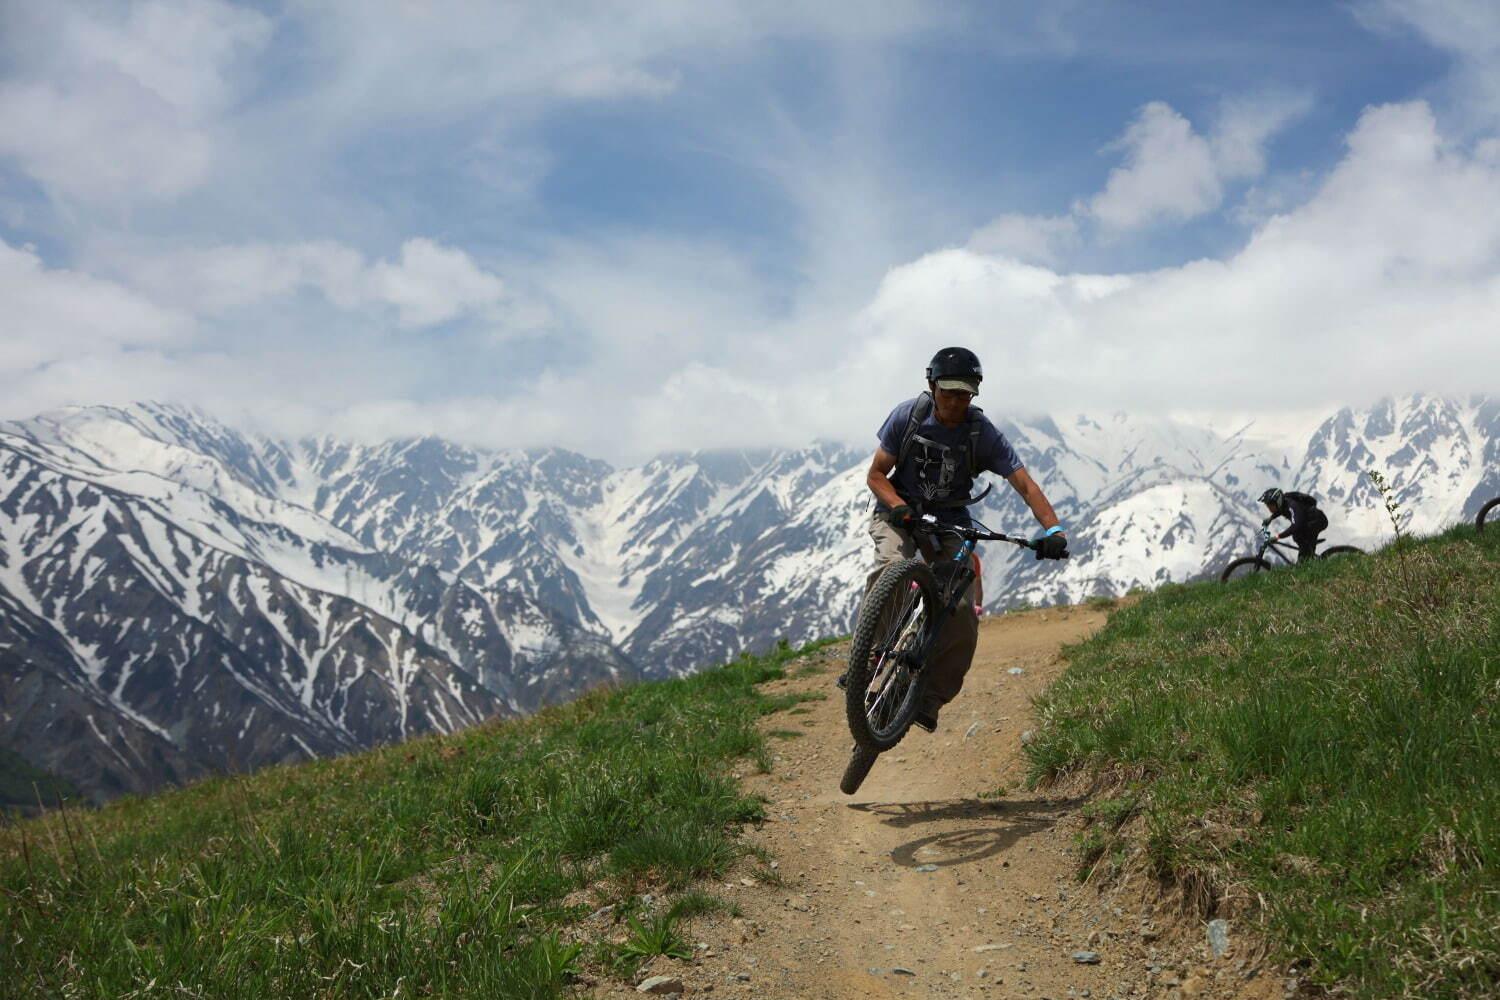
{"x":178,"y":597}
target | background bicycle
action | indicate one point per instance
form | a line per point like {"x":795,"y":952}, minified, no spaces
{"x":1490,"y":510}
{"x":1258,"y":563}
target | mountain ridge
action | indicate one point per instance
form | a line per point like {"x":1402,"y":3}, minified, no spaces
{"x":476,"y":583}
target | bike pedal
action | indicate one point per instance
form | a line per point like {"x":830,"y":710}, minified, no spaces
{"x":843,"y":681}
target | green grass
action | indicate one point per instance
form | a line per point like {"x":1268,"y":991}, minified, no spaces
{"x":24,"y":789}
{"x":1324,"y":740}
{"x":459,"y":866}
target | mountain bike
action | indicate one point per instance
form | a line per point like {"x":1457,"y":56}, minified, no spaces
{"x":899,"y":623}
{"x":1258,"y":563}
{"x":1484,"y":512}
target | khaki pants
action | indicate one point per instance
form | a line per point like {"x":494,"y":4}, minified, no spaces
{"x":955,"y":645}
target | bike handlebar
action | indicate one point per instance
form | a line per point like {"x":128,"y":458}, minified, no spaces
{"x":928,"y":525}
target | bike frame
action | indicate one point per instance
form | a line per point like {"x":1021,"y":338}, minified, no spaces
{"x":1276,"y":549}
{"x":888,"y":672}
{"x":958,"y":581}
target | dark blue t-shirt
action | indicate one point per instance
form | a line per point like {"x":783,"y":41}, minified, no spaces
{"x":937,"y":467}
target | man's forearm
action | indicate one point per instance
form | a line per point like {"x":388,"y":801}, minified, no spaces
{"x":883,"y":490}
{"x":1032,"y":494}
{"x":1041,"y":509}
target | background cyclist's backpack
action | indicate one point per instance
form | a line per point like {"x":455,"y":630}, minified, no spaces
{"x":920,"y":411}
{"x":1316,"y":520}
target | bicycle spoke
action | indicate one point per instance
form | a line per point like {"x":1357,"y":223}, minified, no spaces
{"x":885,"y":673}
{"x":889,"y":676}
{"x":881,"y":704}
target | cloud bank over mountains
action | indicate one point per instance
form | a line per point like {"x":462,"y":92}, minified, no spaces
{"x":626,"y":230}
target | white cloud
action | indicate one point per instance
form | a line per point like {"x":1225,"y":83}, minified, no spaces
{"x":687,"y":339}
{"x":1036,"y":239}
{"x":179,"y":50}
{"x":52,"y":314}
{"x":1173,"y":173}
{"x":113,"y":145}
{"x":647,"y":301}
{"x":1470,"y":29}
{"x":1244,"y":126}
{"x":469,"y":53}
{"x":433,"y":284}
{"x":428,"y":284}
{"x":1169,"y":173}
{"x":108,"y":105}
{"x":219,"y":279}
{"x":111,"y":105}
{"x":1386,"y":280}
{"x":109,"y":375}
{"x":615,"y":81}
{"x":703,"y":406}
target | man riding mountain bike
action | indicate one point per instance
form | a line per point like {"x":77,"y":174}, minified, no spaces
{"x":1302,"y":510}
{"x":931,"y":448}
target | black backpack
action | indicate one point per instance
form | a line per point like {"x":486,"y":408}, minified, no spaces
{"x":1303,"y":498}
{"x":920,"y":411}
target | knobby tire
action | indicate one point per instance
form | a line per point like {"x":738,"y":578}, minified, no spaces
{"x":1341,"y":550}
{"x":1485,"y":512}
{"x":883,"y":687}
{"x":1243,"y":567}
{"x":860,"y":762}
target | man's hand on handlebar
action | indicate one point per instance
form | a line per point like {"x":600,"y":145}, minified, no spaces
{"x":902,"y":516}
{"x":1051,"y":546}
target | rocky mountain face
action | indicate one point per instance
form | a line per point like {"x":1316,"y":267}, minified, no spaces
{"x":180,"y":598}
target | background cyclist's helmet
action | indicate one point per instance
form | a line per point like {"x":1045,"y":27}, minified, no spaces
{"x":1272,"y":497}
{"x":955,"y":368}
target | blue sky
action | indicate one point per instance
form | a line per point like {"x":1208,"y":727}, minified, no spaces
{"x":626,"y":227}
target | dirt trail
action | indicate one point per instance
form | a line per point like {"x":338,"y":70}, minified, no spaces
{"x":929,"y":881}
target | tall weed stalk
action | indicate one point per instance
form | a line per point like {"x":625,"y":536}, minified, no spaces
{"x":1418,"y":594}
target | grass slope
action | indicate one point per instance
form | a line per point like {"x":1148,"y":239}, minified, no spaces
{"x":456,"y":866}
{"x":24,"y":788}
{"x":1323,"y":742}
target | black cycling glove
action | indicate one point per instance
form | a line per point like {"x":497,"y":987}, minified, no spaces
{"x":900,"y":515}
{"x":1051,"y":546}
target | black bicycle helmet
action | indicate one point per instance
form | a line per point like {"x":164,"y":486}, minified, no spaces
{"x":1272,"y":496}
{"x":957,"y":363}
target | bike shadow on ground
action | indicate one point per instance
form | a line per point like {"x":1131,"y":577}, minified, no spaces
{"x":1009,"y":822}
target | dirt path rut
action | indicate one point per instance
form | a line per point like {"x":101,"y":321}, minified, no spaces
{"x":942,"y":876}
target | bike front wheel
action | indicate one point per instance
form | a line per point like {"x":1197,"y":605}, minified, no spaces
{"x":1341,"y":550}
{"x":884,"y":679}
{"x":1243,"y":567}
{"x":860,"y":762}
{"x":1488,"y":509}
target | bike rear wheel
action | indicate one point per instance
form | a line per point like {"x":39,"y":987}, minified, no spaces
{"x":1243,"y":568}
{"x":1485,"y":512}
{"x":884,"y":684}
{"x":1341,"y":550}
